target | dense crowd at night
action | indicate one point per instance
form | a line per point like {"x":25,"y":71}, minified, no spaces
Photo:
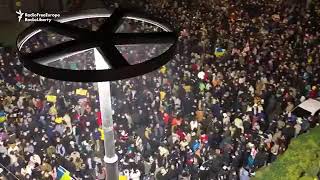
{"x":204,"y":115}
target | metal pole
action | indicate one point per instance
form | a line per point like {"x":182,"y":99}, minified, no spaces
{"x":110,"y":158}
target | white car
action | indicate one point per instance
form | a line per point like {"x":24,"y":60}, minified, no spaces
{"x":309,"y":107}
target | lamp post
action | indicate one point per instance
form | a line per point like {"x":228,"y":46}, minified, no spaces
{"x":110,"y":158}
{"x":110,"y":64}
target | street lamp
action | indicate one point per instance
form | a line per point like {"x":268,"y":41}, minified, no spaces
{"x":110,"y":64}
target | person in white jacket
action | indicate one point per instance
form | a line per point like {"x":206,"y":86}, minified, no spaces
{"x":135,"y":174}
{"x":67,"y":119}
{"x":163,"y":151}
{"x":193,"y":125}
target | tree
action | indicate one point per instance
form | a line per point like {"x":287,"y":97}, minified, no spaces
{"x":301,"y":160}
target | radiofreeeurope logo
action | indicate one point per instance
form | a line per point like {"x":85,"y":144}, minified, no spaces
{"x":36,"y":17}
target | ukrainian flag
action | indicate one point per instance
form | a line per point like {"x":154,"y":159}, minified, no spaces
{"x":219,"y":52}
{"x":63,"y":174}
{"x":3,"y":117}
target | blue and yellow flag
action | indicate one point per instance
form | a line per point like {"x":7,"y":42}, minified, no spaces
{"x":101,"y":133}
{"x":3,"y":117}
{"x":63,"y":174}
{"x":219,"y":52}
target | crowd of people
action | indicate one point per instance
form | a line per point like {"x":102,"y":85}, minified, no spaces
{"x":202,"y":116}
